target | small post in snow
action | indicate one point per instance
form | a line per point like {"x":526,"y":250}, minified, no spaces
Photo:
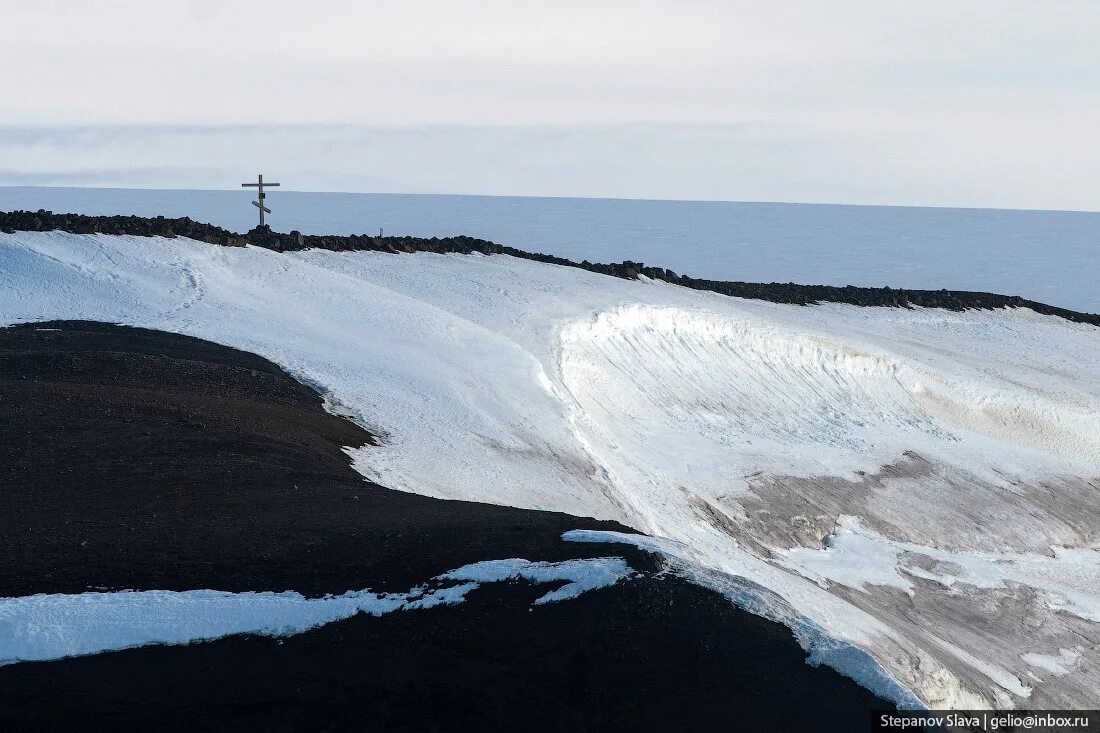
{"x":260,"y":204}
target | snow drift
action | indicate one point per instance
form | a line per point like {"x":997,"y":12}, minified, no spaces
{"x":920,"y":485}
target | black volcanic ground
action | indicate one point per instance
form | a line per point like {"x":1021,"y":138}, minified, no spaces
{"x":146,"y":460}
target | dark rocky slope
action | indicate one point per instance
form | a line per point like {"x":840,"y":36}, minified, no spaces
{"x":776,"y":292}
{"x":140,"y":459}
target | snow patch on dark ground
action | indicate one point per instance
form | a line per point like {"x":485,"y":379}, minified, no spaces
{"x":53,"y":626}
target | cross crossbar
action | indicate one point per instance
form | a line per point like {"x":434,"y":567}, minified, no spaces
{"x":259,"y":184}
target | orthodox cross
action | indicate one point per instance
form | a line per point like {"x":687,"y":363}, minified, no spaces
{"x":260,"y":204}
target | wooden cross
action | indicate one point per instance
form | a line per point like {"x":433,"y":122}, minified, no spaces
{"x":260,"y":204}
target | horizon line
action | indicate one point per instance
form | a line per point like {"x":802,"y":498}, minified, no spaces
{"x":283,"y":190}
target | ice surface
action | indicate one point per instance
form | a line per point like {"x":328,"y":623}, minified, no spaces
{"x":583,"y":575}
{"x":53,"y":626}
{"x":964,"y":446}
{"x":857,"y":557}
{"x":1048,"y":256}
{"x":1059,"y":665}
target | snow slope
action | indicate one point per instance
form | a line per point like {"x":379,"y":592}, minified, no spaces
{"x":920,"y":485}
{"x":1047,"y":256}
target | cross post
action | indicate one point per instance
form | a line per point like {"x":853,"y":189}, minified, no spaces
{"x":260,"y":203}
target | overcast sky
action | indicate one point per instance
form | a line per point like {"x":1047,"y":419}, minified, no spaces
{"x":940,"y":102}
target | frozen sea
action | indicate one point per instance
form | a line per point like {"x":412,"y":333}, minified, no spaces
{"x":1048,"y":256}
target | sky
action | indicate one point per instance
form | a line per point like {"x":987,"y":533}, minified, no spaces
{"x":985,"y":104}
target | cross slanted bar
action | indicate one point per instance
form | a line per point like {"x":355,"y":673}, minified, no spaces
{"x":260,"y":204}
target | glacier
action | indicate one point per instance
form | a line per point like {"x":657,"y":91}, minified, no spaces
{"x":919,"y":485}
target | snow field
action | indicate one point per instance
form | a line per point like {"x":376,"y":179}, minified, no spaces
{"x":886,"y":477}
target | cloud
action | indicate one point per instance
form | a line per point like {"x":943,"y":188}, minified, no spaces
{"x":748,"y":161}
{"x":906,"y":101}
